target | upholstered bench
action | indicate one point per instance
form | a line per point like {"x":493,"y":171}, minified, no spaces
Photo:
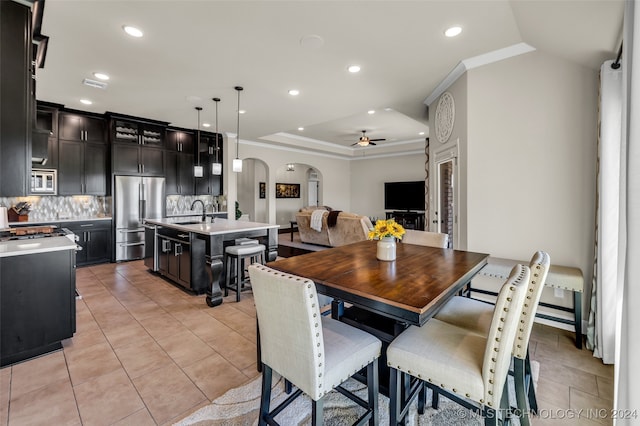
{"x":561,"y":277}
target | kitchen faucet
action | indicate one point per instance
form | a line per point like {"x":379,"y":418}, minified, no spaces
{"x":204,"y":210}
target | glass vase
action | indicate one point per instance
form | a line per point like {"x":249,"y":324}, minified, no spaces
{"x":386,"y":249}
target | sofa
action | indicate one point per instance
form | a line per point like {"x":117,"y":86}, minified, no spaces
{"x":349,"y":228}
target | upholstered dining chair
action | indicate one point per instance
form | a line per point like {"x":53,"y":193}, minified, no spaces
{"x":475,"y":315}
{"x":466,"y":367}
{"x":425,"y":238}
{"x":315,"y":353}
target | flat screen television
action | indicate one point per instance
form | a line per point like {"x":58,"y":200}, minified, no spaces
{"x":404,"y":195}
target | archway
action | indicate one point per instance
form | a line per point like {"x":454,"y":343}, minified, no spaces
{"x":300,"y":186}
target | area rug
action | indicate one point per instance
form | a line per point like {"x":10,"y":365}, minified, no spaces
{"x":239,"y":407}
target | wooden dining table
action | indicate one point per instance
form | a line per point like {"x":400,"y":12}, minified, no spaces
{"x":383,"y":297}
{"x":409,"y":289}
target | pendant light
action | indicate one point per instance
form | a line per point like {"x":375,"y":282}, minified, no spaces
{"x":198,"y":170}
{"x":237,"y":162}
{"x":216,"y":166}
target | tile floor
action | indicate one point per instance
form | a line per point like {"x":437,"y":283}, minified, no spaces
{"x":148,"y":353}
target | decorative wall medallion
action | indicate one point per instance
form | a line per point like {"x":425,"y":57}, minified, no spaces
{"x":445,"y":117}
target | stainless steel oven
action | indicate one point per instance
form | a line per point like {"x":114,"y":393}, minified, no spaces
{"x":44,"y":182}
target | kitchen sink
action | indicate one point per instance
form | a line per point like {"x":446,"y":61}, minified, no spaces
{"x":192,"y":222}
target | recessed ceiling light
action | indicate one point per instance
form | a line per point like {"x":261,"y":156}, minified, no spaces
{"x":388,"y":109}
{"x":206,"y":125}
{"x":300,"y":128}
{"x":294,"y":92}
{"x":354,"y":68}
{"x":421,"y":133}
{"x":453,"y":31}
{"x":242,"y":111}
{"x":132,"y":31}
{"x":86,"y":101}
{"x":101,"y":76}
{"x":371,"y":111}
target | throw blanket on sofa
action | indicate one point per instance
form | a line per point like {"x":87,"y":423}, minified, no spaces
{"x":332,"y":219}
{"x":316,"y":219}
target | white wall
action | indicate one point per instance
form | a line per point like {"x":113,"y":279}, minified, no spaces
{"x":286,"y":208}
{"x":335,"y":174}
{"x":457,"y":140}
{"x":532,"y":123}
{"x":368,"y":178}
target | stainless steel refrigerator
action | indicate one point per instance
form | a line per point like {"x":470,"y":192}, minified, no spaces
{"x":135,"y":199}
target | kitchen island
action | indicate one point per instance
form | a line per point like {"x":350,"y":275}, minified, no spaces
{"x":37,"y":296}
{"x":215,"y":236}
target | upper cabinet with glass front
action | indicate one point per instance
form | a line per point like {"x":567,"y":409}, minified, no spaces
{"x":131,"y":130}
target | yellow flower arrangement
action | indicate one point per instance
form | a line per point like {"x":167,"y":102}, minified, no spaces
{"x":386,"y":228}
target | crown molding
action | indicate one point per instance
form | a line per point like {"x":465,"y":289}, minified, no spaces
{"x":474,"y":62}
{"x":368,"y":153}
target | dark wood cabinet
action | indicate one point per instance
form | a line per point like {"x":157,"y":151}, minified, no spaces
{"x":46,"y":121}
{"x":17,"y":101}
{"x":136,"y":131}
{"x":82,"y":168}
{"x":179,"y":174}
{"x":137,"y":160}
{"x":137,"y":145}
{"x":180,"y":141}
{"x":209,"y":184}
{"x":70,"y":167}
{"x":37,"y":303}
{"x":95,"y":238}
{"x":179,"y":161}
{"x":79,"y":127}
{"x":181,"y":258}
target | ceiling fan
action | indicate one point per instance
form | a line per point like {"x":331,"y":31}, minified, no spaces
{"x":365,"y":141}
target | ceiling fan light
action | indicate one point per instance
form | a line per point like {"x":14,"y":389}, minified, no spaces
{"x":216,"y":169}
{"x":363,"y":142}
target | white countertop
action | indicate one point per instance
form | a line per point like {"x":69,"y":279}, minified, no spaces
{"x":75,"y":219}
{"x":219,"y":226}
{"x":35,"y":245}
{"x":189,"y":214}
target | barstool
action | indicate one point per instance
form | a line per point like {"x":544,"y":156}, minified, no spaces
{"x":238,"y":254}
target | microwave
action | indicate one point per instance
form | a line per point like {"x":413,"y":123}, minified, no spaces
{"x":44,"y":182}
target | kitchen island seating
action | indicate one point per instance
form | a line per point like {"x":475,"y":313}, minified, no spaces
{"x":426,"y":238}
{"x":474,"y":315}
{"x":315,"y":353}
{"x":234,"y":260}
{"x":466,"y":367}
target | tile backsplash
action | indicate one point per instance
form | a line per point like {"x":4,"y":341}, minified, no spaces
{"x":52,"y":208}
{"x":55,"y":208}
{"x":181,"y":204}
